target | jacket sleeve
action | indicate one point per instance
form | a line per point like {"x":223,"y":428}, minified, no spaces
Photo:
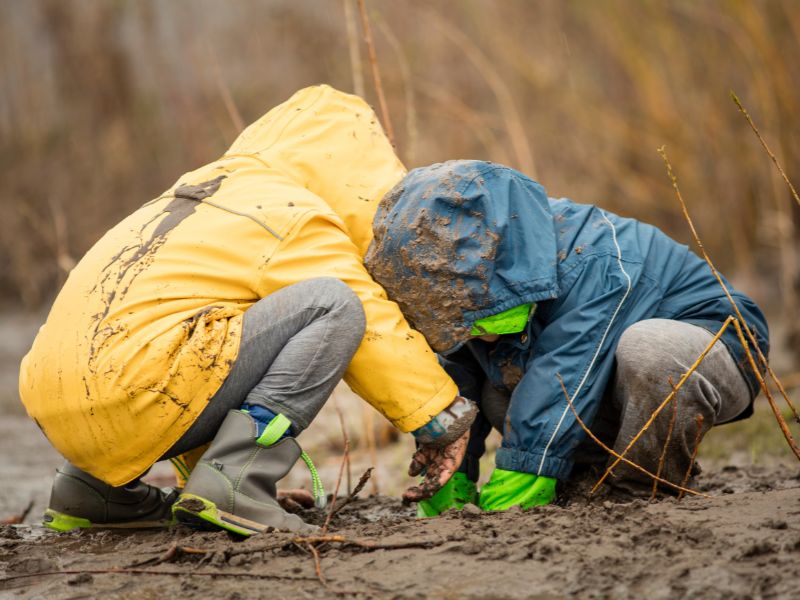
{"x":393,"y":369}
{"x":577,"y":343}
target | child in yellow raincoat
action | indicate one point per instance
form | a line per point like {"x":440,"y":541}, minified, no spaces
{"x":225,"y":311}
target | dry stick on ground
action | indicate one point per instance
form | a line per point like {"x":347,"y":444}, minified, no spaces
{"x":619,"y":456}
{"x":785,"y":177}
{"x":352,"y":496}
{"x":336,"y":539}
{"x":697,"y":437}
{"x":666,"y":401}
{"x":170,"y":554}
{"x":671,"y":426}
{"x":176,"y":573}
{"x":367,"y":544}
{"x":18,"y":518}
{"x":742,"y":323}
{"x":317,"y":564}
{"x":376,"y":73}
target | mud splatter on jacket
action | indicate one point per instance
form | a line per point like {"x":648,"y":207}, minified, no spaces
{"x":148,"y":323}
{"x":459,"y":241}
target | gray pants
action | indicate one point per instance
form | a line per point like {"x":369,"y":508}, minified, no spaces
{"x":649,"y":354}
{"x":296,"y":345}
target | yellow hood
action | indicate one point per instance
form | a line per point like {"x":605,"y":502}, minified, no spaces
{"x":326,"y":142}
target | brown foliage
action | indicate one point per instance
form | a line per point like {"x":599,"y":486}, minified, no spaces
{"x":104,"y":104}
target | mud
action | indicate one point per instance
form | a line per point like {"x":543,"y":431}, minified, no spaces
{"x":426,"y":273}
{"x":743,"y":542}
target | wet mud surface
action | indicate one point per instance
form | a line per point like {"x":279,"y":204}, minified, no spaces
{"x":743,"y":542}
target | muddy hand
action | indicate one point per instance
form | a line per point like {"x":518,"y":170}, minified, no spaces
{"x":438,"y":464}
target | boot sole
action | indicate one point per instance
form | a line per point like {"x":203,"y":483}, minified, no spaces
{"x":199,"y":513}
{"x":62,"y":522}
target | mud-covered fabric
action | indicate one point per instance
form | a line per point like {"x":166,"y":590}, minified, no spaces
{"x":462,"y":240}
{"x":296,"y":344}
{"x":148,"y":324}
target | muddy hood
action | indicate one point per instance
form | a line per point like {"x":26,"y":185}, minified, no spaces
{"x":458,"y":241}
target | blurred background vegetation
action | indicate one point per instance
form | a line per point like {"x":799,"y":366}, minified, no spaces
{"x":105,"y":103}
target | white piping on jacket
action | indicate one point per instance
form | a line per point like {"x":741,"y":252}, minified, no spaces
{"x":599,"y":346}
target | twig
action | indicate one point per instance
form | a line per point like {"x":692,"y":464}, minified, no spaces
{"x":661,"y":406}
{"x":366,"y":544}
{"x":345,"y":457}
{"x":619,"y":456}
{"x":175,"y":573}
{"x":376,"y":74}
{"x":773,"y":405}
{"x":787,"y":247}
{"x":697,"y":437}
{"x":317,"y":564}
{"x":18,"y":518}
{"x":515,"y":127}
{"x":335,"y":539}
{"x":666,"y":441}
{"x":743,"y":110}
{"x":171,"y":553}
{"x":225,"y":92}
{"x":352,"y":496}
{"x":741,"y":320}
{"x":356,"y":67}
{"x":410,"y":155}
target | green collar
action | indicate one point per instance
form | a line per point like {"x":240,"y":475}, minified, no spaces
{"x":512,"y":320}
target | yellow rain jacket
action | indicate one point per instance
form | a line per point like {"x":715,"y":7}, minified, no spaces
{"x":148,"y":324}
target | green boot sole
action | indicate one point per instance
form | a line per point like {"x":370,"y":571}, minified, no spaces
{"x":58,"y":521}
{"x":199,"y":513}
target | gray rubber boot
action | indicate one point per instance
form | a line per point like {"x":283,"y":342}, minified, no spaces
{"x":233,"y":485}
{"x":79,"y":500}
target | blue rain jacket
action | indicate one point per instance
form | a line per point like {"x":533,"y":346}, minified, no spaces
{"x":462,"y":240}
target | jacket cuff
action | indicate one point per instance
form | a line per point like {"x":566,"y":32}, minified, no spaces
{"x":422,"y":416}
{"x":510,"y":459}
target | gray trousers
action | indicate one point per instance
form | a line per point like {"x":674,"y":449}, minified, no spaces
{"x":650,"y":354}
{"x":296,"y":345}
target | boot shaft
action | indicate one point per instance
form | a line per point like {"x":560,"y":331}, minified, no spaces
{"x":234,"y":484}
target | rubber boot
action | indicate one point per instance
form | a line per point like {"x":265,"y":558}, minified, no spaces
{"x":79,"y":500}
{"x":233,"y":485}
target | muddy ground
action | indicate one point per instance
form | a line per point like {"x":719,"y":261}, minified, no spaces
{"x":743,"y":542}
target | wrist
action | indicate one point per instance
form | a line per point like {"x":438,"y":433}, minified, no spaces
{"x":448,"y":425}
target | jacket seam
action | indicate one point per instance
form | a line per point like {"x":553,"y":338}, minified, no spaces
{"x":294,"y":226}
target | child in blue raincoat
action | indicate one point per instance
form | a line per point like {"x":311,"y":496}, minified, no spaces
{"x":518,"y":292}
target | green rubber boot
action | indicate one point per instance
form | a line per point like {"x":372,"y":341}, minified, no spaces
{"x":78,"y":500}
{"x":512,"y":488}
{"x":233,"y":485}
{"x":454,"y":494}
